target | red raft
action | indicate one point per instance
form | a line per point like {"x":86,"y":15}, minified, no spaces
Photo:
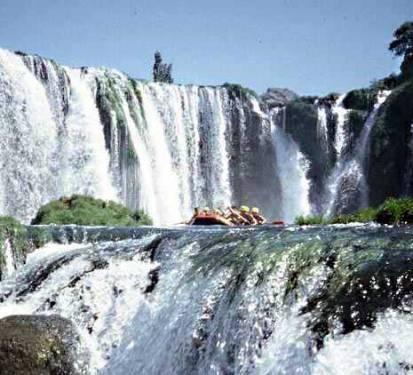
{"x":210,"y":219}
{"x":216,"y":219}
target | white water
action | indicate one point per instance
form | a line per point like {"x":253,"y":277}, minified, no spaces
{"x":112,"y":295}
{"x":322,"y":134}
{"x":292,"y":167}
{"x":340,"y":135}
{"x":9,"y":263}
{"x":85,"y":166}
{"x":220,"y":306}
{"x":41,"y":157}
{"x":351,"y":170}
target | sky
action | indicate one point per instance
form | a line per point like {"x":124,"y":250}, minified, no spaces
{"x":313,"y":47}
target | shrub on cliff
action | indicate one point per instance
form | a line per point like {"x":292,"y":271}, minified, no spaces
{"x":362,"y":99}
{"x":85,"y":210}
{"x":239,"y":91}
{"x":402,"y":46}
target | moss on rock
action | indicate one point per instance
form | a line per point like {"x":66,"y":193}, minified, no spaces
{"x":18,"y":239}
{"x":40,"y":345}
{"x":85,"y":210}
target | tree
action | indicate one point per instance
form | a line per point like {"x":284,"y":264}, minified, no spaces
{"x":162,"y":72}
{"x":402,"y":45}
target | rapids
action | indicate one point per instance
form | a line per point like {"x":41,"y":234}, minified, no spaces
{"x":315,"y":300}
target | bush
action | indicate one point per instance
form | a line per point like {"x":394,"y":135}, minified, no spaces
{"x":395,"y":211}
{"x":363,"y":216}
{"x":362,"y":99}
{"x":309,"y":220}
{"x":239,"y":91}
{"x":84,"y":210}
{"x":392,"y":211}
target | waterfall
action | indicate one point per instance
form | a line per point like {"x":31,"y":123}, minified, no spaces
{"x":9,"y":263}
{"x":292,"y":167}
{"x":44,"y":157}
{"x":340,"y":135}
{"x":347,"y":182}
{"x":161,"y":148}
{"x":322,"y":131}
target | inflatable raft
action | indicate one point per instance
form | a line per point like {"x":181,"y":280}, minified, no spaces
{"x":210,"y":219}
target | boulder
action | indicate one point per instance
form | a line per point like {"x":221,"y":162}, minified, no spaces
{"x":40,"y":345}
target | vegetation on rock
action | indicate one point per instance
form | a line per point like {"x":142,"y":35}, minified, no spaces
{"x":390,"y":149}
{"x":239,"y":91}
{"x":16,"y":235}
{"x":85,"y":210}
{"x":394,"y":211}
{"x":361,"y":99}
{"x":162,"y":72}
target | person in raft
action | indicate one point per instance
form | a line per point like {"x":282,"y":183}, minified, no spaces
{"x":235,"y":217}
{"x":259,"y":218}
{"x":246,"y":214}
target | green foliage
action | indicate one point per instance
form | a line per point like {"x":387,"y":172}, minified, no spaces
{"x":363,"y":216}
{"x":239,"y":91}
{"x":9,"y":222}
{"x":142,"y":217}
{"x":162,"y":72}
{"x":388,"y":83}
{"x":84,"y":210}
{"x":395,"y":211}
{"x":390,"y":138}
{"x":309,"y":220}
{"x":402,"y":45}
{"x":16,"y":234}
{"x":361,"y":99}
{"x":392,"y":211}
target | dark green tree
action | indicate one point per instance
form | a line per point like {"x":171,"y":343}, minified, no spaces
{"x":162,"y":72}
{"x":402,"y":45}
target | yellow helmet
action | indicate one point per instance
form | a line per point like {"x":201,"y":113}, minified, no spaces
{"x":255,"y":210}
{"x":244,"y":209}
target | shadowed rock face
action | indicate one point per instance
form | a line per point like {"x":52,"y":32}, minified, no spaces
{"x":39,"y":345}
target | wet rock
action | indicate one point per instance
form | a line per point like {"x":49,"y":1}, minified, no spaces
{"x":40,"y":345}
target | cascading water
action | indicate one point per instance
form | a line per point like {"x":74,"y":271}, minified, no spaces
{"x":43,"y":157}
{"x":9,"y":263}
{"x":161,"y":148}
{"x":340,"y":135}
{"x":322,"y":131}
{"x":165,"y":148}
{"x":292,"y":168}
{"x":214,"y":301}
{"x":347,"y":182}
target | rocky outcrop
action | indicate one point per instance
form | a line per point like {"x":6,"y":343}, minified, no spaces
{"x":40,"y":345}
{"x":276,"y":97}
{"x":391,"y":157}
